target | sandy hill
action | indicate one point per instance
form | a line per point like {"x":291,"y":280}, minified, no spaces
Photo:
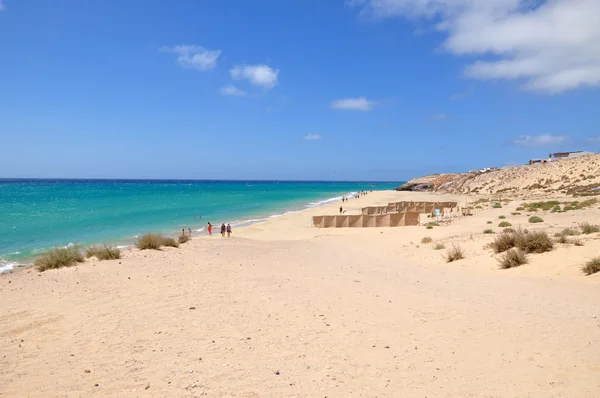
{"x":569,"y":177}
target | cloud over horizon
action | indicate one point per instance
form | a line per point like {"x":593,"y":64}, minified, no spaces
{"x":356,"y":104}
{"x":195,"y":57}
{"x":258,"y":75}
{"x":550,"y":47}
{"x":539,"y":140}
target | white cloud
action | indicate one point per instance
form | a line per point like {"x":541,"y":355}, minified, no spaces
{"x":439,"y":116}
{"x":232,"y":91}
{"x":356,"y":104}
{"x":196,"y":57}
{"x":258,"y":75}
{"x":539,"y":140}
{"x":549,"y":46}
{"x":312,"y":137}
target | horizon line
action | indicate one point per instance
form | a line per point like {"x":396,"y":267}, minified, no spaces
{"x":183,"y":179}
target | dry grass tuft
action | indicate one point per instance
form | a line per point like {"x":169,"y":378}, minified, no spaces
{"x":535,"y":219}
{"x":103,"y":253}
{"x":149,"y":241}
{"x":577,"y":242}
{"x":488,"y":231}
{"x":59,"y":257}
{"x":439,"y":246}
{"x":154,"y":242}
{"x":513,"y":258}
{"x":426,"y":239}
{"x":529,"y":242}
{"x":169,"y":242}
{"x":592,"y":266}
{"x":184,"y":238}
{"x":588,"y":228}
{"x":454,"y":254}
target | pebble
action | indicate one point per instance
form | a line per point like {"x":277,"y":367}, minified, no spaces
{"x":277,"y":373}
{"x":87,"y":371}
{"x":147,"y":387}
{"x":192,"y":308}
{"x":96,"y":385}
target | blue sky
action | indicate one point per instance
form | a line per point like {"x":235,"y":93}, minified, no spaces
{"x":298,"y":89}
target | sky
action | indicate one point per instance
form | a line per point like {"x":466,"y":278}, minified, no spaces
{"x":380,"y":90}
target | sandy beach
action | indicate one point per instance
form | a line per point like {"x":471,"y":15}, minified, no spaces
{"x":286,"y":310}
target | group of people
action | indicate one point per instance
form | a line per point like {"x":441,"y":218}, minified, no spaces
{"x":225,"y":229}
{"x":356,"y":196}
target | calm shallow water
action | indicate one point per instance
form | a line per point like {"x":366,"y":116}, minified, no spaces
{"x":36,"y":215}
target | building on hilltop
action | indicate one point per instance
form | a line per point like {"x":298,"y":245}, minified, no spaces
{"x":566,"y":155}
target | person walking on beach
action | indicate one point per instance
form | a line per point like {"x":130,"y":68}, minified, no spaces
{"x":228,"y":231}
{"x":341,"y":210}
{"x":223,"y":230}
{"x":209,"y":228}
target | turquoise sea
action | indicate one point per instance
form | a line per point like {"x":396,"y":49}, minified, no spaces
{"x":36,"y":215}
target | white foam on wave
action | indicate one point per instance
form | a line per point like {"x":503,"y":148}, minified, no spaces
{"x":7,"y":266}
{"x":200,"y":229}
{"x":330,"y":200}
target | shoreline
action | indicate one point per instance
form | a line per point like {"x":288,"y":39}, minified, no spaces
{"x":12,"y":266}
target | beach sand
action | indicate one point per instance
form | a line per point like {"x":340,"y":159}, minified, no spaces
{"x":286,"y":310}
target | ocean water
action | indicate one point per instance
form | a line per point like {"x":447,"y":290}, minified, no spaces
{"x":36,"y":215}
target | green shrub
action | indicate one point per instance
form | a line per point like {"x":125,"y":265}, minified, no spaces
{"x":535,"y":219}
{"x":433,"y":224}
{"x":592,"y":266}
{"x":454,"y":254}
{"x":516,"y":214}
{"x":502,"y":217}
{"x":429,"y":227}
{"x":59,"y":257}
{"x":504,"y":224}
{"x":535,"y":206}
{"x":427,"y":239}
{"x":588,"y":228}
{"x":439,"y":246}
{"x":103,"y":253}
{"x":497,"y":206}
{"x":513,"y":258}
{"x":184,"y":238}
{"x":520,"y":208}
{"x":488,"y":231}
{"x":489,"y":222}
